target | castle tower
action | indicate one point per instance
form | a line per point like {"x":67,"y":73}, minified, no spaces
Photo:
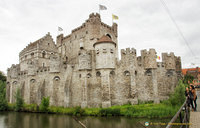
{"x":150,"y":65}
{"x":149,"y":59}
{"x":169,"y":60}
{"x":105,"y":63}
{"x":105,"y":53}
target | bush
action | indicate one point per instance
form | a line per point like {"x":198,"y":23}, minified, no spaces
{"x":3,"y":101}
{"x":19,"y":101}
{"x":78,"y":111}
{"x":2,"y":76}
{"x":178,"y":97}
{"x":44,"y":104}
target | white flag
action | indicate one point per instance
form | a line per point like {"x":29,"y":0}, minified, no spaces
{"x":60,"y":29}
{"x":102,"y":7}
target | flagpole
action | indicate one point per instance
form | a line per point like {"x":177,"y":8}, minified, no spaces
{"x":112,"y":18}
{"x":57,"y":32}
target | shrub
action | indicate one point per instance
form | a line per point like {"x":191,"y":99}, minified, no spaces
{"x":2,"y":76}
{"x":19,"y":101}
{"x":3,"y":101}
{"x":178,"y":97}
{"x":44,"y":104}
{"x":78,"y":111}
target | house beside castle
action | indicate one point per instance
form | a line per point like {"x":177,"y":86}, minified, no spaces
{"x":83,"y":69}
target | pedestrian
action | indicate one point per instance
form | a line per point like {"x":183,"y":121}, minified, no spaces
{"x":187,"y":96}
{"x":191,"y":97}
{"x":195,"y":97}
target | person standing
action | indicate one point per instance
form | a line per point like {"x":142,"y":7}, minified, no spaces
{"x":195,"y":97}
{"x":191,"y":97}
{"x":187,"y":96}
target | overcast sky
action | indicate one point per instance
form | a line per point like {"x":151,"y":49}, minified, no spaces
{"x":142,"y":24}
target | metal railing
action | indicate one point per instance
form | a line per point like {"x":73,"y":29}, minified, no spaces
{"x":184,"y":120}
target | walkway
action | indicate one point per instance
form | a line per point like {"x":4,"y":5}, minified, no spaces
{"x":195,"y":116}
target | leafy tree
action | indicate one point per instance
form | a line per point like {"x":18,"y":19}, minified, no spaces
{"x":19,"y":101}
{"x":178,"y":97}
{"x":3,"y":101}
{"x":188,"y":78}
{"x":44,"y":104}
{"x":2,"y":76}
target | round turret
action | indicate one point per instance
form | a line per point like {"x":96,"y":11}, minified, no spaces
{"x":105,"y":53}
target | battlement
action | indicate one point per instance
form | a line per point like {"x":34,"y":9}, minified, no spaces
{"x":169,"y":60}
{"x":106,"y":26}
{"x":149,"y":58}
{"x":171,"y":54}
{"x":78,"y":28}
{"x":33,"y":45}
{"x":128,"y":51}
{"x":147,"y":53}
{"x":93,"y":15}
{"x":128,"y":55}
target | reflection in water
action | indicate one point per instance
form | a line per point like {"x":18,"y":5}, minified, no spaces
{"x":36,"y":120}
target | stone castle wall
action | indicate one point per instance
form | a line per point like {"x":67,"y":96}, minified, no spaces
{"x":82,"y":69}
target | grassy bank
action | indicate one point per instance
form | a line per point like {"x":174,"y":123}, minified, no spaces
{"x":142,"y":110}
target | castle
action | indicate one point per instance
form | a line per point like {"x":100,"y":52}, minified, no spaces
{"x":83,"y":69}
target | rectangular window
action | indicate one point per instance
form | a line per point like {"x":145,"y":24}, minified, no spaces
{"x":104,"y":51}
{"x":111,"y":51}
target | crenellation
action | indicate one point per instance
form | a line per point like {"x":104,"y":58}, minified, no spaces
{"x":149,"y":58}
{"x":169,"y":60}
{"x":83,"y":69}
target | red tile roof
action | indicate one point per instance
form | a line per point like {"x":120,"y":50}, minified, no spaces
{"x":184,"y":71}
{"x":104,"y":39}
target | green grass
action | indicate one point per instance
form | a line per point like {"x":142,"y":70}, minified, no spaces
{"x":149,"y":110}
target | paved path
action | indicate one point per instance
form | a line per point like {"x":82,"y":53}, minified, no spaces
{"x":195,"y":116}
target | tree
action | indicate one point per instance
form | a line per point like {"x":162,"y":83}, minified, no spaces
{"x":188,"y":78}
{"x":2,"y":76}
{"x":178,"y":97}
{"x":44,"y":104}
{"x":3,"y":101}
{"x":19,"y":101}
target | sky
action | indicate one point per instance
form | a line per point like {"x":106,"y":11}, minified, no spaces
{"x":142,"y":24}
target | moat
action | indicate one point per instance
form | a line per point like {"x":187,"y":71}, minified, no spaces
{"x":36,"y":120}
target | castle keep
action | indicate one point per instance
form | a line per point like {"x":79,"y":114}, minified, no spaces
{"x":83,"y":69}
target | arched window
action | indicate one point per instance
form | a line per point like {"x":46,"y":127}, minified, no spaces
{"x":56,"y":78}
{"x":109,"y":36}
{"x":89,"y":75}
{"x":43,"y":54}
{"x":112,"y":73}
{"x":32,"y":80}
{"x":98,"y":74}
{"x":15,"y":82}
{"x":135,"y":72}
{"x":148,"y":72}
{"x":32,"y":54}
{"x":66,"y":59}
{"x":127,"y":73}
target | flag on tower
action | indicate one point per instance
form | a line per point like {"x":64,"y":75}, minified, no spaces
{"x":114,"y":17}
{"x":158,"y":57}
{"x":60,"y":29}
{"x":102,"y":7}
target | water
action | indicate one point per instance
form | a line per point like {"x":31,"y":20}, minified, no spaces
{"x":37,"y":120}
